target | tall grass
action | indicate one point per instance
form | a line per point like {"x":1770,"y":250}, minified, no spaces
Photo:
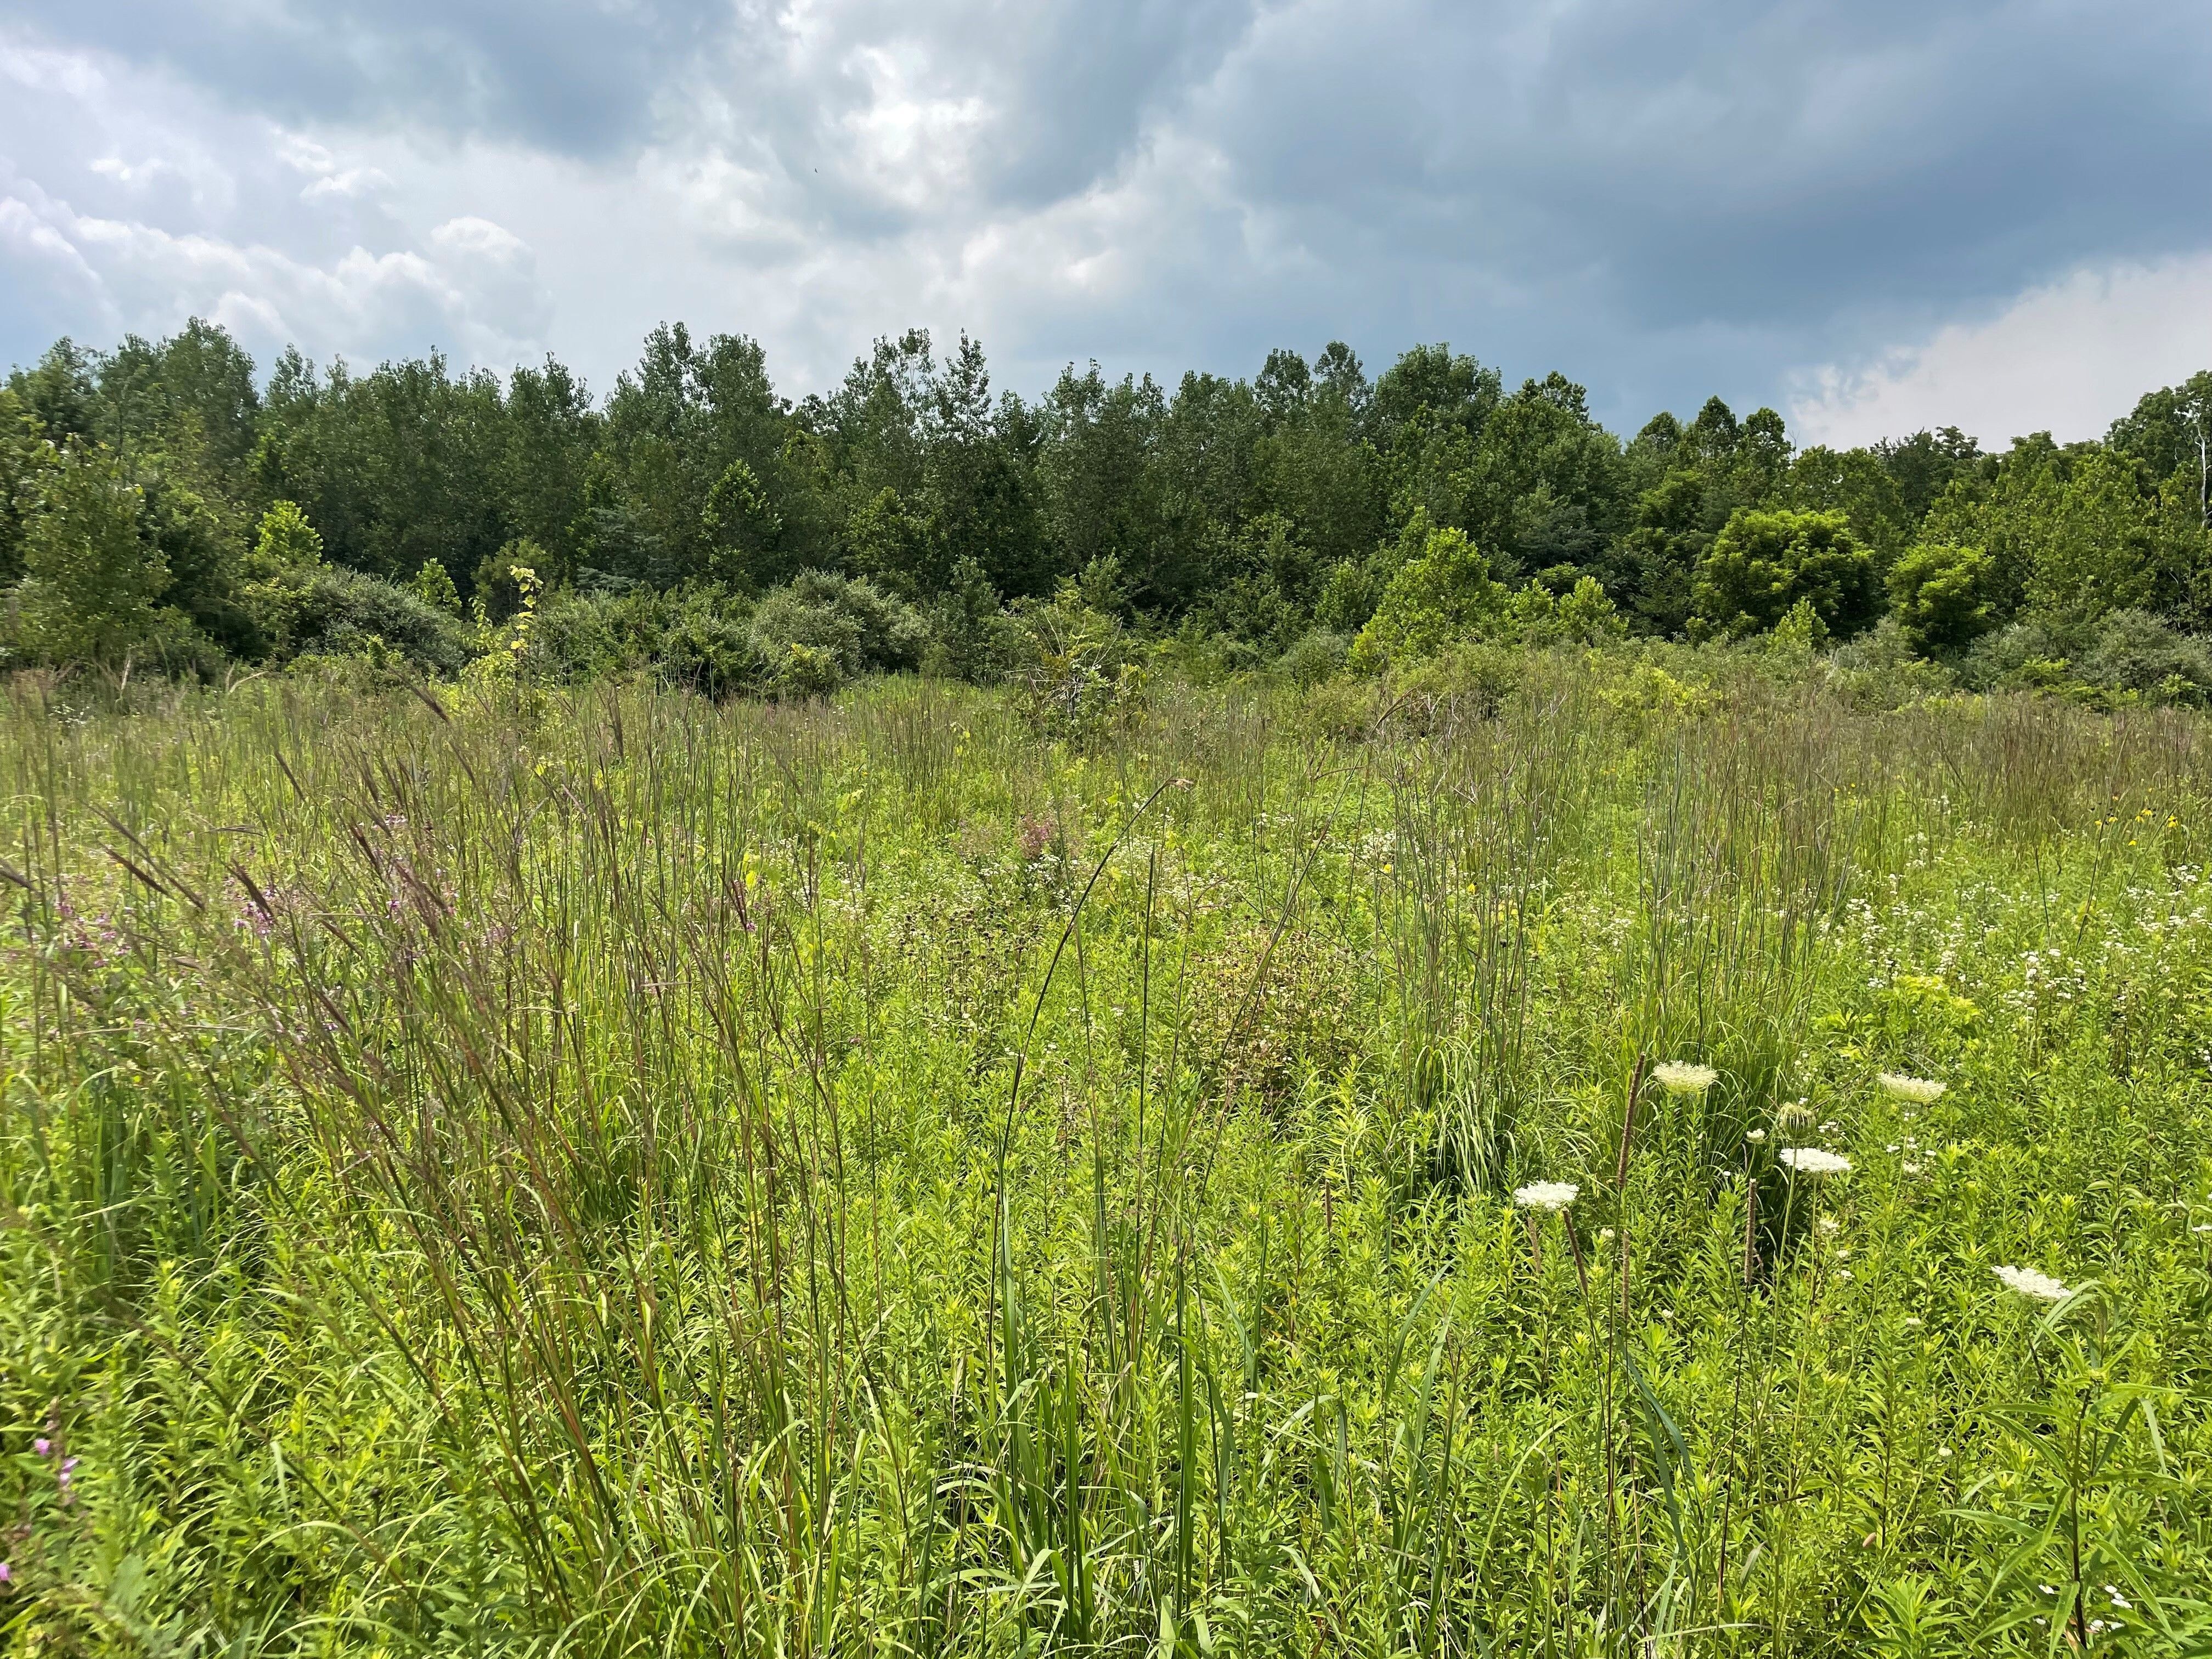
{"x":604,"y":1173}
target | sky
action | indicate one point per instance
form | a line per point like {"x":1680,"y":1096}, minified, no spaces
{"x":1875,"y":216}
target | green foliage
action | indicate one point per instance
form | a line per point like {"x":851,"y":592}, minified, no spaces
{"x":1944,"y":597}
{"x":1242,"y":514}
{"x":434,"y":585}
{"x":285,"y":544}
{"x":1763,"y":563}
{"x":838,"y":626}
{"x":90,"y":579}
{"x":616,"y":1173}
{"x":707,"y":645}
{"x":743,"y":528}
{"x":20,"y":454}
{"x":1441,"y":592}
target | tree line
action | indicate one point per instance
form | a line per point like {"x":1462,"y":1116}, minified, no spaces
{"x":163,"y":504}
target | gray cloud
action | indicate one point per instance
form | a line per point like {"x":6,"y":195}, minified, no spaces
{"x":578,"y":75}
{"x":1663,"y":198}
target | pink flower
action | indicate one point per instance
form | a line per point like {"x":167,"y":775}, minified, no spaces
{"x":42,"y":1446}
{"x":7,"y":1573}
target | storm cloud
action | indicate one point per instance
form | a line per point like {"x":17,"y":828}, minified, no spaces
{"x":1816,"y":206}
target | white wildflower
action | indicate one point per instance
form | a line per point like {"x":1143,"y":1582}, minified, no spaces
{"x":1920,"y":1090}
{"x":1552,"y":1196}
{"x":1682,"y":1077}
{"x":1755,"y":1136}
{"x":2028,"y":1282}
{"x":1814,"y":1161}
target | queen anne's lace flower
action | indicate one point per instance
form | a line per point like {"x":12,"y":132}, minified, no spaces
{"x":1814,"y":1161}
{"x":1682,"y":1077}
{"x":1920,"y":1090}
{"x":2030,"y":1283}
{"x":1545,"y":1194}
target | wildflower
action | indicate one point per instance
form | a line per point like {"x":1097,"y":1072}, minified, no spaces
{"x":1843,"y":1274}
{"x":1813,"y":1161}
{"x":7,"y":1573}
{"x":1605,"y":1235}
{"x":1911,"y":1168}
{"x":1913,"y":1322}
{"x":42,"y":1446}
{"x":1552,"y":1196}
{"x":1682,"y":1077}
{"x":1920,"y":1090}
{"x":1756,"y":1136}
{"x":1829,"y":1224}
{"x":1794,"y":1119}
{"x":2028,"y":1282}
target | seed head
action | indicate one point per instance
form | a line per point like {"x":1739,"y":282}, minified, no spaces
{"x":1794,"y":1119}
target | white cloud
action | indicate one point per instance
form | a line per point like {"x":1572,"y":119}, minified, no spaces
{"x":2070,"y":358}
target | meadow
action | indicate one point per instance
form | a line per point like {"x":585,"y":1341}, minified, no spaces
{"x":601,"y":1172}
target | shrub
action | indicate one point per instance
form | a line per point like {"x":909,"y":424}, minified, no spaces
{"x":1763,"y":563}
{"x":2133,"y":650}
{"x":847,"y":623}
{"x":1444,"y":594}
{"x":1882,"y":669}
{"x":971,"y":638}
{"x":1943,"y":596}
{"x":335,"y":613}
{"x":706,"y":643}
{"x":1314,"y":657}
{"x":90,"y":579}
{"x":2128,"y":656}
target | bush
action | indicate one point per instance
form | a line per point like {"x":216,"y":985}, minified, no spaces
{"x":1079,"y":675}
{"x":706,"y":642}
{"x":2133,"y":650}
{"x":91,"y":580}
{"x":2129,"y":656}
{"x":1474,"y":679}
{"x":1943,"y":596}
{"x":847,"y":627}
{"x":1761,"y":564}
{"x":1442,"y":594}
{"x":1315,"y":657}
{"x":338,"y":612}
{"x":971,"y":638}
{"x":1882,"y":669}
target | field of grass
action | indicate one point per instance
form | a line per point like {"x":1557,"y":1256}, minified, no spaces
{"x":601,"y":1173}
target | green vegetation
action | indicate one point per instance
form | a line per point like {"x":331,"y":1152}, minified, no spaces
{"x":1099,"y":1165}
{"x":163,"y":511}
